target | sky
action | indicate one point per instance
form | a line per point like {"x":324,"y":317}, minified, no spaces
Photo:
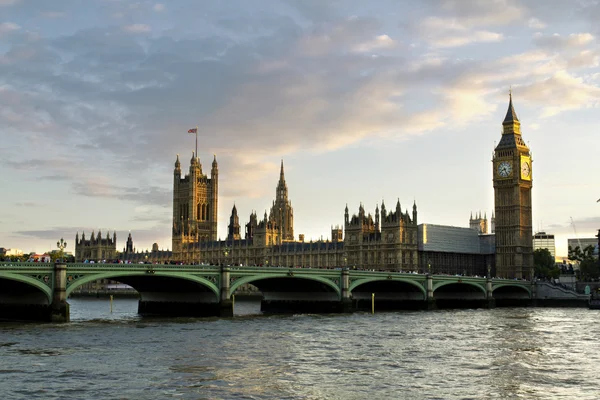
{"x":363,"y":102}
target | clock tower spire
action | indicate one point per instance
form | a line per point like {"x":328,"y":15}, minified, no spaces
{"x":512,"y":201}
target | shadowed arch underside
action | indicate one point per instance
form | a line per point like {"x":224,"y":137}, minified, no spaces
{"x":297,"y":295}
{"x":389,"y":295}
{"x":511,"y":296}
{"x":23,"y":299}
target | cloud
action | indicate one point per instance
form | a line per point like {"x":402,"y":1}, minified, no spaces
{"x":27,"y":204}
{"x":590,"y":224}
{"x":561,"y":92}
{"x":54,"y":14}
{"x":137,"y":28}
{"x":159,"y":196}
{"x":377,"y":43}
{"x":8,"y":27}
{"x":535,"y":23}
{"x":557,"y":42}
{"x":450,"y":32}
{"x":158,"y":7}
{"x":484,"y":12}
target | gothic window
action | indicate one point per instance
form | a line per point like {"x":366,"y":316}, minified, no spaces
{"x":198,"y":211}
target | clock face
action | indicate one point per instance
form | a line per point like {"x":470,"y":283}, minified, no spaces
{"x":525,"y":169}
{"x":504,"y":169}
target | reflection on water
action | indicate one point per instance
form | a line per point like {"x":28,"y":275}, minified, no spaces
{"x":531,"y":353}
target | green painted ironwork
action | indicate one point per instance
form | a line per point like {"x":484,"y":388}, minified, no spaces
{"x":41,"y":276}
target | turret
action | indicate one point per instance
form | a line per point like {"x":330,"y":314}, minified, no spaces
{"x":377,"y":217}
{"x":215,"y":166}
{"x":77,"y":238}
{"x":398,"y":209}
{"x":346,"y":215}
{"x":93,"y":237}
{"x":177,"y":166}
{"x":383,"y":212}
{"x":414,"y":218}
{"x":511,"y":123}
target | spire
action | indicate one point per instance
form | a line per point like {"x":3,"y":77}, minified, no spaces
{"x":194,"y":159}
{"x":214,"y":163}
{"x":281,"y":174}
{"x":511,"y":115}
{"x":177,"y":163}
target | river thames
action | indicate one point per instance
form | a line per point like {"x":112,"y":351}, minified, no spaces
{"x":504,"y":353}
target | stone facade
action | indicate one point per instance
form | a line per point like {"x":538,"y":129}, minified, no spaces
{"x":96,"y":248}
{"x":364,"y":242}
{"x":479,"y":223}
{"x":129,"y":254}
{"x":195,"y":205}
{"x":512,"y":169}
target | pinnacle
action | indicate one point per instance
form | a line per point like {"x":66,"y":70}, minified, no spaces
{"x":511,"y":115}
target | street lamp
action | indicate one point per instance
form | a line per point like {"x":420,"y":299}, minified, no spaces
{"x":61,"y":244}
{"x":428,"y":267}
{"x":225,"y":254}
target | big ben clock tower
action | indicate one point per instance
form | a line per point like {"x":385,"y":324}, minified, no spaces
{"x":512,"y":200}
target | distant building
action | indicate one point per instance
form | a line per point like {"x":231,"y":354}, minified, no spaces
{"x":154,"y":256}
{"x":96,"y":248}
{"x":13,"y":252}
{"x":454,"y":250}
{"x":583,"y":243}
{"x":479,"y":223}
{"x":543,"y":240}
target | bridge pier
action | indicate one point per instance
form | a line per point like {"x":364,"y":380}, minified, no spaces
{"x":59,"y":309}
{"x":430,"y":303}
{"x":225,"y":303}
{"x":490,"y":301}
{"x":346,"y":301}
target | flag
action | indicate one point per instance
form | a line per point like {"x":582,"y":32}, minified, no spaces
{"x":193,"y":130}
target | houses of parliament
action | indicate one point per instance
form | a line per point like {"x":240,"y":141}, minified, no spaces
{"x":388,"y":239}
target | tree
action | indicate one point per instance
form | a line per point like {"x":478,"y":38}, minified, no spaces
{"x":588,"y":265}
{"x":544,"y":264}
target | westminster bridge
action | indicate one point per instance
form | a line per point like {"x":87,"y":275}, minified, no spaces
{"x":39,"y":291}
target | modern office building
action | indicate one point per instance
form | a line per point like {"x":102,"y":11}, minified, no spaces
{"x":455,"y":250}
{"x":543,"y":240}
{"x":583,"y":243}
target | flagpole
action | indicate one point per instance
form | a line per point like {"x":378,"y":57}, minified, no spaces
{"x":196,"y":140}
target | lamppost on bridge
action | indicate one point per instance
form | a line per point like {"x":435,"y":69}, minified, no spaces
{"x":61,"y":244}
{"x":428,"y":267}
{"x":225,"y":254}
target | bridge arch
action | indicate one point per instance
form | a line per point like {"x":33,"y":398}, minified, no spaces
{"x":446,"y":283}
{"x":510,"y":287}
{"x":158,"y":274}
{"x":360,"y":282}
{"x":30,"y":281}
{"x":255,"y":278}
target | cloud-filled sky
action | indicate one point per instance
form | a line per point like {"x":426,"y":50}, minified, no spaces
{"x":364,"y":102}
